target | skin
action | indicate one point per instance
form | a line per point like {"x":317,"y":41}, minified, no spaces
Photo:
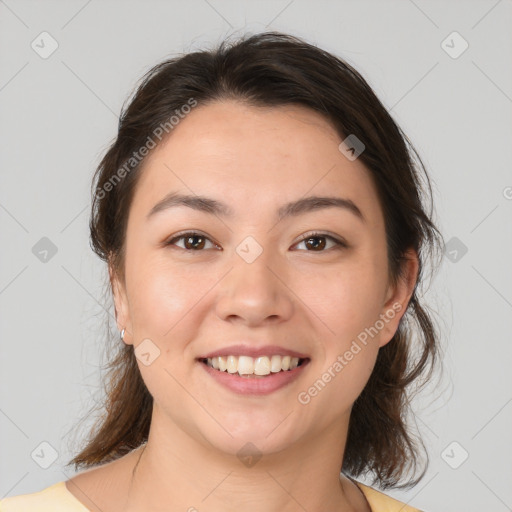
{"x":188,"y":303}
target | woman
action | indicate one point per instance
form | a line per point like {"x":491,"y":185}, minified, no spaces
{"x":261,"y":217}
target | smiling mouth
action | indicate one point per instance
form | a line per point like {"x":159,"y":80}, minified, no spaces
{"x":257,"y":367}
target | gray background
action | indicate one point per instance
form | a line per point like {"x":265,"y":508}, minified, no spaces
{"x":59,"y":113}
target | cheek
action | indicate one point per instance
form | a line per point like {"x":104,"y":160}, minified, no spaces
{"x":335,"y":384}
{"x":162,"y":296}
{"x":349,"y":303}
{"x":164,"y":305}
{"x":348,"y":300}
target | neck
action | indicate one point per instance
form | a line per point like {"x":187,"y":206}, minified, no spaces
{"x":176,"y":472}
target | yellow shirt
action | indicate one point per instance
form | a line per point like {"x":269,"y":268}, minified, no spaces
{"x":57,"y":498}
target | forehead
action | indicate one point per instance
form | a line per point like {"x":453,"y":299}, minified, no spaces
{"x":252,"y":157}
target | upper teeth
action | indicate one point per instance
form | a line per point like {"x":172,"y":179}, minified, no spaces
{"x":246,"y":365}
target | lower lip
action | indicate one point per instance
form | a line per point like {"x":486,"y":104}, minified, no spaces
{"x":255,"y":385}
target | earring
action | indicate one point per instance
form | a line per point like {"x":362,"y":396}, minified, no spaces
{"x":122,"y":335}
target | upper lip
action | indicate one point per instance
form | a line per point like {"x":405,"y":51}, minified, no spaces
{"x":251,"y":351}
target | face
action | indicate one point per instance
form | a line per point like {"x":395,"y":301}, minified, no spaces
{"x":252,"y":278}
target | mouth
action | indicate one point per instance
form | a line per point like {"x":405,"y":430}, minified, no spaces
{"x":254,"y":367}
{"x":271,"y":369}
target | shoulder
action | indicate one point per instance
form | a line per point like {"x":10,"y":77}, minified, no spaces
{"x":95,"y":489}
{"x":55,"y":498}
{"x":380,"y":502}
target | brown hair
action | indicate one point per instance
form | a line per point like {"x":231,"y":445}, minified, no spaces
{"x":265,"y":70}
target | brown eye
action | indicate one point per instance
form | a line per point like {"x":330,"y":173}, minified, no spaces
{"x":192,"y":241}
{"x":316,"y":242}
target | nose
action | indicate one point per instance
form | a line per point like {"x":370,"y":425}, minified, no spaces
{"x":255,"y":293}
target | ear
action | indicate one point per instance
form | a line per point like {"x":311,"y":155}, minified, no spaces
{"x":122,"y":310}
{"x":398,"y":296}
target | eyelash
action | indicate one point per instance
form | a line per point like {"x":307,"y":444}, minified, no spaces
{"x":340,"y":244}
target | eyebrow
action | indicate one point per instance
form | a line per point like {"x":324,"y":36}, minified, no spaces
{"x":291,"y":209}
